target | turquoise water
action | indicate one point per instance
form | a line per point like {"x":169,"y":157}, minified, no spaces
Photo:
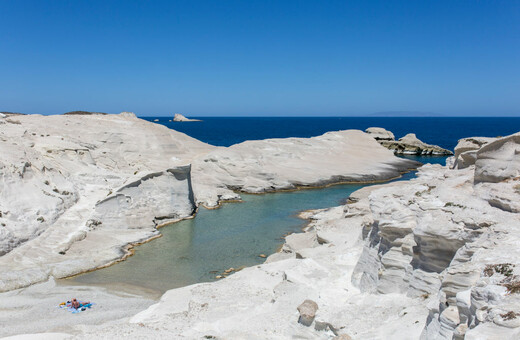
{"x":198,"y":249}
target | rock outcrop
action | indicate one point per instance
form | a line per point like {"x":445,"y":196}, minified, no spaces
{"x":76,"y":190}
{"x":380,"y":133}
{"x":411,"y":145}
{"x":407,"y":145}
{"x":451,"y":239}
{"x":278,"y":164}
{"x":180,"y":118}
{"x":498,"y":160}
{"x":466,"y":151}
{"x":307,"y":312}
{"x":435,"y":257}
{"x":430,"y":258}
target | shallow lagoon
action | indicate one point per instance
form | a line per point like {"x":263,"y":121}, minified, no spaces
{"x":198,"y":249}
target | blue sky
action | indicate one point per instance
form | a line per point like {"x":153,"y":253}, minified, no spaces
{"x":260,"y":58}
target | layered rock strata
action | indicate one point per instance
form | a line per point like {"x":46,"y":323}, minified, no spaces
{"x":75,"y":189}
{"x":407,"y":145}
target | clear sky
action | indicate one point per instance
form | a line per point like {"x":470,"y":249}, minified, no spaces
{"x":256,"y":58}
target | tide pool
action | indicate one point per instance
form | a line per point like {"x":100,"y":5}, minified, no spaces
{"x":198,"y":249}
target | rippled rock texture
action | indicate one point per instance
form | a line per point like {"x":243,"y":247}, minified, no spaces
{"x":451,"y":235}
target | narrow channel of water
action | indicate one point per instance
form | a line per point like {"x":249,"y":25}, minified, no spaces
{"x":196,"y":250}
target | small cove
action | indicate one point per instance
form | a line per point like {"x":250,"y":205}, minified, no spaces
{"x":198,"y":249}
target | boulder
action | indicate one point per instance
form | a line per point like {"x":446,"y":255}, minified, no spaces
{"x":307,"y":312}
{"x":498,"y":160}
{"x":380,"y":133}
{"x":466,"y":151}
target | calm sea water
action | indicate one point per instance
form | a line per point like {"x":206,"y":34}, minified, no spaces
{"x":225,"y":131}
{"x":197,"y":250}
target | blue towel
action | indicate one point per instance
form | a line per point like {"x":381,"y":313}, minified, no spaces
{"x":82,"y":307}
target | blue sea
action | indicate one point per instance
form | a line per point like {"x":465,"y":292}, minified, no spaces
{"x":445,"y":131}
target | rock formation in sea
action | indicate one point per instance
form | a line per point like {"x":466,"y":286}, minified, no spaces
{"x":77,"y":189}
{"x":180,"y":118}
{"x":407,"y":145}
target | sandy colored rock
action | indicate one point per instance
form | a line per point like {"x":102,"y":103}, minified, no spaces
{"x":307,"y":311}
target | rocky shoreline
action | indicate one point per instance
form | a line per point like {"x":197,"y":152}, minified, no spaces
{"x":93,"y":184}
{"x":432,"y":258}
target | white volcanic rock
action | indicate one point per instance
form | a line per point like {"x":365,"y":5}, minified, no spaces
{"x":76,"y":185}
{"x":498,"y":160}
{"x":241,"y":305}
{"x":411,"y":145}
{"x":180,"y":118}
{"x":466,"y":151}
{"x":276,"y":164}
{"x":407,"y":145}
{"x":380,"y":133}
{"x":429,"y":258}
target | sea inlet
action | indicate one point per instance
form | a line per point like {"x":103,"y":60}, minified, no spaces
{"x":232,"y":236}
